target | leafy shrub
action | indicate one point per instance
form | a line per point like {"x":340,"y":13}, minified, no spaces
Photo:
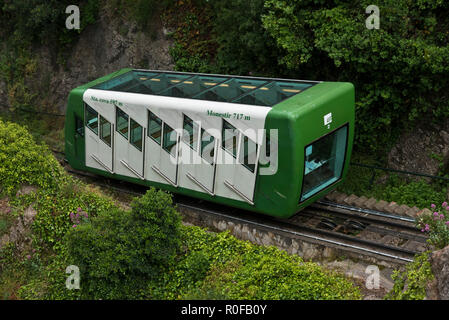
{"x":399,"y":70}
{"x":244,"y":44}
{"x":54,"y":209}
{"x":392,"y":187}
{"x":22,"y":161}
{"x":195,"y":42}
{"x":50,"y":283}
{"x":118,"y":251}
{"x":219,"y":266}
{"x":411,"y":284}
{"x":415,"y":193}
{"x":268,"y":273}
{"x":436,"y":225}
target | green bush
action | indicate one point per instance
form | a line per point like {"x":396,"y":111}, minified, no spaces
{"x":50,"y":282}
{"x":265,"y":273}
{"x":415,"y":193}
{"x":54,"y":209}
{"x":119,"y":252}
{"x":392,"y":187}
{"x":219,"y":266}
{"x":411,"y":284}
{"x":244,"y":45}
{"x":22,"y":161}
{"x":399,"y":70}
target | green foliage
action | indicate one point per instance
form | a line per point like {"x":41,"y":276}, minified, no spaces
{"x":191,"y":22}
{"x":50,"y":282}
{"x":187,"y":62}
{"x":22,"y":161}
{"x":43,"y":20}
{"x":399,"y":71}
{"x":118,"y":251}
{"x":392,"y":187}
{"x":245,"y":47}
{"x":436,"y":224}
{"x":414,"y":193}
{"x":157,"y":224}
{"x":411,"y":284}
{"x":244,"y":271}
{"x":219,"y":266}
{"x":54,"y":208}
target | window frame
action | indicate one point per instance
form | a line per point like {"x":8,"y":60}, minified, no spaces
{"x":242,"y":161}
{"x":342,"y":167}
{"x":164,"y":147}
{"x":201,"y":147}
{"x":194,"y":141}
{"x":117,"y":112}
{"x":100,"y":123}
{"x":223,"y":145}
{"x":86,"y":111}
{"x":131,"y":142}
{"x":156,"y":118}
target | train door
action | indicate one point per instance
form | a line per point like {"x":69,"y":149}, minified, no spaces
{"x":199,"y":154}
{"x":240,"y":162}
{"x":165,"y":144}
{"x":130,"y":144}
{"x":246,"y":170}
{"x":98,"y":138}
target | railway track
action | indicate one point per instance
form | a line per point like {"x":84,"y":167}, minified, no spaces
{"x":367,"y":233}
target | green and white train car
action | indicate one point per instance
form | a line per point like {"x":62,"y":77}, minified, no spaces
{"x":271,"y":146}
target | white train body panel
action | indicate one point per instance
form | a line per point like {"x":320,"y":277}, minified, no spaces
{"x":183,"y":166}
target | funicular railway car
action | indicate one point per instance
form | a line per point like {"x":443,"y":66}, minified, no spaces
{"x":271,"y":146}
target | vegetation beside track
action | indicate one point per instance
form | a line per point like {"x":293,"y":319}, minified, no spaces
{"x":395,"y":187}
{"x":141,"y":253}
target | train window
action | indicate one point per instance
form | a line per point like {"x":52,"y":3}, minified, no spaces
{"x":105,"y":131}
{"x":323,"y":163}
{"x":248,"y":154}
{"x":207,"y":146}
{"x":92,"y":119}
{"x":190,"y":134}
{"x":122,"y":123}
{"x":169,"y":141}
{"x":230,"y":136}
{"x":154,"y":127}
{"x":79,"y":126}
{"x":136,"y":134}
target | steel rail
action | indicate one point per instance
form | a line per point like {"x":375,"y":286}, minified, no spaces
{"x":366,"y":219}
{"x":367,"y":211}
{"x":369,"y":224}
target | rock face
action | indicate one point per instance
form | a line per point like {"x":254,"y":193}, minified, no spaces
{"x":422,"y":150}
{"x":19,"y":232}
{"x":105,"y":47}
{"x":439,"y":288}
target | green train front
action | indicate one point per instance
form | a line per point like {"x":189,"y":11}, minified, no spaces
{"x":305,"y":155}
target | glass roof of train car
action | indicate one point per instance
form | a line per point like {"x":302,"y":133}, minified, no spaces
{"x":243,"y":90}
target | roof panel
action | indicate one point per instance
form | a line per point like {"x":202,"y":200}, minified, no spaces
{"x":234,"y":89}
